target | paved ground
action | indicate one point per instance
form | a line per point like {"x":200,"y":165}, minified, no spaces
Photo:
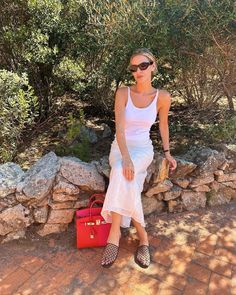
{"x":192,"y":253}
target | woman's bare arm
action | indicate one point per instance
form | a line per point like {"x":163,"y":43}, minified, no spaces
{"x":164,"y":101}
{"x":120,"y":102}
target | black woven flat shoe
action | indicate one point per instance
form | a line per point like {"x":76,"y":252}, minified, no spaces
{"x":142,"y":256}
{"x":109,"y":255}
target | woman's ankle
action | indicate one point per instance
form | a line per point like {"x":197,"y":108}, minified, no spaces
{"x":143,"y":238}
{"x":114,"y":236}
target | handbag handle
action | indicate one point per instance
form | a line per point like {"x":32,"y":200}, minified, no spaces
{"x":95,"y":201}
{"x":94,"y":196}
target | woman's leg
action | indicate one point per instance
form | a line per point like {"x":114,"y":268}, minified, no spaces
{"x":143,"y":237}
{"x":111,"y":250}
{"x":114,"y":235}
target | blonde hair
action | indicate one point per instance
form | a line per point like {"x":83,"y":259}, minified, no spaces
{"x":146,"y":52}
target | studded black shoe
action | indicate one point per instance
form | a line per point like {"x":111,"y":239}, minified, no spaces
{"x":142,"y":256}
{"x":109,"y":255}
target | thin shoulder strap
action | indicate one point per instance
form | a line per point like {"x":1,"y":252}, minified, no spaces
{"x":157,"y":94}
{"x":128,"y":97}
{"x":156,"y":99}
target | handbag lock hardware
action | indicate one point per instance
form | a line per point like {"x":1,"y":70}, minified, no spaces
{"x":98,"y":221}
{"x":89,"y":223}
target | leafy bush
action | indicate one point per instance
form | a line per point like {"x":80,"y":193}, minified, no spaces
{"x":70,"y":74}
{"x":18,"y":110}
{"x":84,"y":47}
{"x":73,"y":144}
{"x":224,"y":131}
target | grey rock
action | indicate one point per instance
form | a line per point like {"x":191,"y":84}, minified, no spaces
{"x":182,"y":182}
{"x":14,"y":219}
{"x":63,"y":197}
{"x":38,"y":180}
{"x":201,"y":188}
{"x":41,"y":214}
{"x":85,"y":175}
{"x":183,"y":169}
{"x":151,"y":205}
{"x":65,"y":205}
{"x":103,"y":166}
{"x":208,"y":160}
{"x":193,"y":200}
{"x":61,"y":216}
{"x":63,"y":186}
{"x":10,"y":175}
{"x":159,"y":188}
{"x":226,"y":177}
{"x":175,"y":205}
{"x":230,"y":153}
{"x":217,"y":197}
{"x":8,"y":201}
{"x":173,"y":193}
{"x":201,"y":180}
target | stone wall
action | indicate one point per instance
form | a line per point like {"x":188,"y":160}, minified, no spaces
{"x":47,"y":195}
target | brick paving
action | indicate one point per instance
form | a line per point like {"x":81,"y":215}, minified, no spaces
{"x":192,"y":253}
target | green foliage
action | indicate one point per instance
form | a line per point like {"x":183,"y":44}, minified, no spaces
{"x":70,"y":74}
{"x":75,"y":143}
{"x":18,"y":110}
{"x":84,"y":47}
{"x":45,"y":14}
{"x":224,"y":131}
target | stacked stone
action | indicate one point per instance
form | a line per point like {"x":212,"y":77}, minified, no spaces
{"x":47,"y":195}
{"x":204,"y":176}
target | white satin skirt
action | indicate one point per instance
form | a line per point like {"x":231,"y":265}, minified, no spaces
{"x":124,"y":196}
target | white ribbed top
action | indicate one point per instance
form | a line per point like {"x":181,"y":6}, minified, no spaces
{"x":138,"y":121}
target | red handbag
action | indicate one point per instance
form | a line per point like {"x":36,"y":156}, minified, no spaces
{"x":91,"y":228}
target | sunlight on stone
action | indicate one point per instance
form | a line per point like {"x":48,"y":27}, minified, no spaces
{"x":221,"y":284}
{"x":26,"y":292}
{"x":4,"y":288}
{"x":181,"y":238}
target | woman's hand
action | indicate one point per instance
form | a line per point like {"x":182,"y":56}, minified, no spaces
{"x":172,"y":161}
{"x":128,"y":168}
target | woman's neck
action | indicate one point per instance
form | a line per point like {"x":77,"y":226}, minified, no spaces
{"x":144,"y":88}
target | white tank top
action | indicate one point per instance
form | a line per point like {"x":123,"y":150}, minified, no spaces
{"x":138,"y":121}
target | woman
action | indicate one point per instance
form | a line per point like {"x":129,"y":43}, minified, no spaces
{"x":131,"y":153}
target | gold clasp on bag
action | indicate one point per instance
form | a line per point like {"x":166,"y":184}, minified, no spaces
{"x":97,"y":222}
{"x":89,"y":223}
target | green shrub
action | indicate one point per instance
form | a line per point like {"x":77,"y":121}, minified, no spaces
{"x":223,"y":131}
{"x":72,"y":145}
{"x":70,"y":74}
{"x":18,"y":109}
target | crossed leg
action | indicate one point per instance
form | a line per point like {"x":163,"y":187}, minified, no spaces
{"x":115,"y":233}
{"x":142,"y":234}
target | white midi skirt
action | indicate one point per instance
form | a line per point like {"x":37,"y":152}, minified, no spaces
{"x":124,"y":196}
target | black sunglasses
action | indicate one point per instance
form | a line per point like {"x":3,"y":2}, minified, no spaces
{"x":143,"y":66}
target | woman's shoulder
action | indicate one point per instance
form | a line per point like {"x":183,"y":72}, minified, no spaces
{"x":121,"y":95}
{"x":122,"y":90}
{"x":163,"y":96}
{"x":164,"y":93}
